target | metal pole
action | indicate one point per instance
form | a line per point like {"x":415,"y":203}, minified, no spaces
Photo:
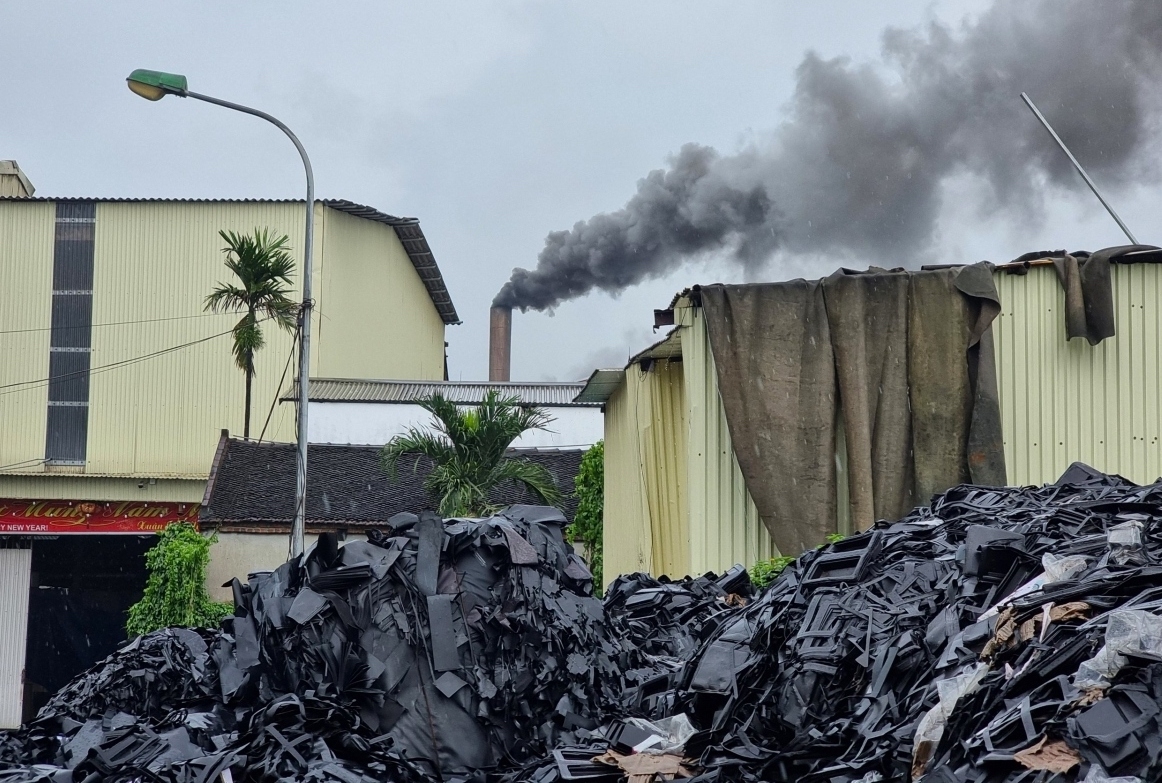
{"x":1029,"y":102}
{"x":298,"y":527}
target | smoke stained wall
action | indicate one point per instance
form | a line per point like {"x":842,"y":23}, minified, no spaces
{"x":857,"y":168}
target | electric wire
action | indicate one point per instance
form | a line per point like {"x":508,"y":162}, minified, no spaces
{"x":25,"y":463}
{"x":111,"y":323}
{"x":40,"y":382}
{"x":281,"y":381}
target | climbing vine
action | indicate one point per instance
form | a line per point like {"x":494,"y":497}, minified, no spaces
{"x":587,"y":522}
{"x":175,"y":592}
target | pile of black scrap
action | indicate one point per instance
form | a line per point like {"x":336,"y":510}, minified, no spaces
{"x":1001,"y":634}
{"x":665,"y":622}
{"x":437,"y":649}
{"x":666,"y":618}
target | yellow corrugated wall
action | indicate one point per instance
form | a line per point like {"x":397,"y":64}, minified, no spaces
{"x":155,"y":262}
{"x":626,"y":539}
{"x":26,"y":248}
{"x":724,"y":524}
{"x":162,"y":416}
{"x":1065,"y":401}
{"x":659,"y":394}
{"x":389,"y":327}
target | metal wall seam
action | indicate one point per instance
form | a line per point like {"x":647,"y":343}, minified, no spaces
{"x":1064,"y":401}
{"x":15,"y":571}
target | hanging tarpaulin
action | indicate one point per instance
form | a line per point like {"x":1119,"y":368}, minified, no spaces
{"x":59,"y":517}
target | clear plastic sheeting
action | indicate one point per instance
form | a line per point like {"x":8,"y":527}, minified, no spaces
{"x":672,"y":733}
{"x":1057,"y":569}
{"x":931,"y":726}
{"x":1128,"y":632}
{"x":1098,"y":775}
{"x":1125,"y":543}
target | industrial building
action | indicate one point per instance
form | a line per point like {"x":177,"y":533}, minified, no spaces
{"x":677,"y":501}
{"x":115,"y":385}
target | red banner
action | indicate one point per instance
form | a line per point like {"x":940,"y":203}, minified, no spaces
{"x":57,"y":517}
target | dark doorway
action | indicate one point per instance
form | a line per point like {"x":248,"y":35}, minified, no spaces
{"x":81,"y":587}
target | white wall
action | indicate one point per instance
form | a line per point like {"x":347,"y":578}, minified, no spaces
{"x":373,"y":424}
{"x":239,"y":554}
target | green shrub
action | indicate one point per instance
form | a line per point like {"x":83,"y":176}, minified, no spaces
{"x":175,"y":592}
{"x":588,"y":521}
{"x":764,"y":572}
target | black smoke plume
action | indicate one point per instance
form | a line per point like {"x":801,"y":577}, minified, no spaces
{"x":856,"y":170}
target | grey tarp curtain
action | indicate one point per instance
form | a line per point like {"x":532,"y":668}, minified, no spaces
{"x":905,"y":358}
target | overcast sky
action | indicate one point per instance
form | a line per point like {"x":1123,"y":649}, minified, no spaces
{"x":493,"y":122}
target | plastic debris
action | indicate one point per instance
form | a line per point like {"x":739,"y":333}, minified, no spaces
{"x":999,"y":634}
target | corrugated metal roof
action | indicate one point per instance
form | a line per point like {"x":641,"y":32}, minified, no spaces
{"x":600,"y":386}
{"x":406,"y":228}
{"x":464,"y":392}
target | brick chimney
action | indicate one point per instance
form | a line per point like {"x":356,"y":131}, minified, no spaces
{"x":500,"y":344}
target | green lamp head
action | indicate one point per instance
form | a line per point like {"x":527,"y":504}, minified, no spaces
{"x":155,"y":85}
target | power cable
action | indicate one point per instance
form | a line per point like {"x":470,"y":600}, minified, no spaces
{"x":28,"y":462}
{"x":112,"y":323}
{"x":36,"y":384}
{"x":281,"y":381}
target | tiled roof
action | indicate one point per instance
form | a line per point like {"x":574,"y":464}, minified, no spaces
{"x":253,"y":485}
{"x":467,"y":393}
{"x":411,"y":236}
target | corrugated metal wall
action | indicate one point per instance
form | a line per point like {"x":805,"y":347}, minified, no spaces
{"x":626,"y":539}
{"x":1063,"y":401}
{"x":58,"y":486}
{"x":375,"y":298}
{"x":26,"y":252}
{"x":660,"y":398}
{"x":15,"y":569}
{"x":161,"y":417}
{"x":154,"y":264}
{"x":724,"y":524}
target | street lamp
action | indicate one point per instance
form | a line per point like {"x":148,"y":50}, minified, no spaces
{"x":155,"y":85}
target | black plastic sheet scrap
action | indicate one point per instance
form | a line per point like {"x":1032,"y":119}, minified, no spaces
{"x":998,"y":634}
{"x":436,"y":649}
{"x":1001,"y":634}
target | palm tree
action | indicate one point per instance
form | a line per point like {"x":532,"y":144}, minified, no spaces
{"x":263,"y":266}
{"x":468,"y":448}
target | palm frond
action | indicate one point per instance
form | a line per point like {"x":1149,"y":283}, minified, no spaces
{"x":468,"y":447}
{"x":413,"y":441}
{"x":536,"y":478}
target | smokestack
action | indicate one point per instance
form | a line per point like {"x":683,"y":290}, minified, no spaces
{"x":500,"y":344}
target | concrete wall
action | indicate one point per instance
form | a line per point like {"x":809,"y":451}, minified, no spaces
{"x":238,"y":554}
{"x":375,"y":423}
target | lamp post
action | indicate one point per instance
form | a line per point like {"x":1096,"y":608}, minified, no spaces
{"x":155,"y":85}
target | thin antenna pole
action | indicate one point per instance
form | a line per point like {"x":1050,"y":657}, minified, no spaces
{"x":1036,"y":113}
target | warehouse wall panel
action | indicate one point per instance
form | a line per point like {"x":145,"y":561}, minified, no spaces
{"x":389,"y":327}
{"x":1064,"y":401}
{"x":15,"y":570}
{"x":26,"y":266}
{"x":626,"y":539}
{"x":725,"y":528}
